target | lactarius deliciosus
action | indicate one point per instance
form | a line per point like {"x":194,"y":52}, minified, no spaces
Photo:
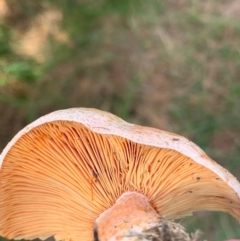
{"x":76,"y":167}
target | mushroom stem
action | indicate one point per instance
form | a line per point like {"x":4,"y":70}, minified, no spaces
{"x":131,"y":212}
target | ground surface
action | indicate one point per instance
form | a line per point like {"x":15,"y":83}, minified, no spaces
{"x":174,"y":65}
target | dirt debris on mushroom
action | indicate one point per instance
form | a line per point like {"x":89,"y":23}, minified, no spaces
{"x":164,"y":231}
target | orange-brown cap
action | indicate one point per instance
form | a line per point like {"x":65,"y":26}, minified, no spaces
{"x":61,"y":172}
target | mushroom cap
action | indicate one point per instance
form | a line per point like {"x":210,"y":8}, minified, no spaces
{"x":60,"y":172}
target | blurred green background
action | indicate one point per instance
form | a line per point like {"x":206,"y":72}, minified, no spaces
{"x":173,"y":65}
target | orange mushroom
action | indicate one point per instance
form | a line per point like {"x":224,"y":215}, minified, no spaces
{"x":73,"y":167}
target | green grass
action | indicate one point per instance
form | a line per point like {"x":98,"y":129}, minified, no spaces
{"x":170,"y":65}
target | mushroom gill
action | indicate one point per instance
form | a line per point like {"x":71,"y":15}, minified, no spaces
{"x":60,"y":176}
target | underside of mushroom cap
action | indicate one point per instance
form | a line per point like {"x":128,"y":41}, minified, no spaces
{"x":62,"y":171}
